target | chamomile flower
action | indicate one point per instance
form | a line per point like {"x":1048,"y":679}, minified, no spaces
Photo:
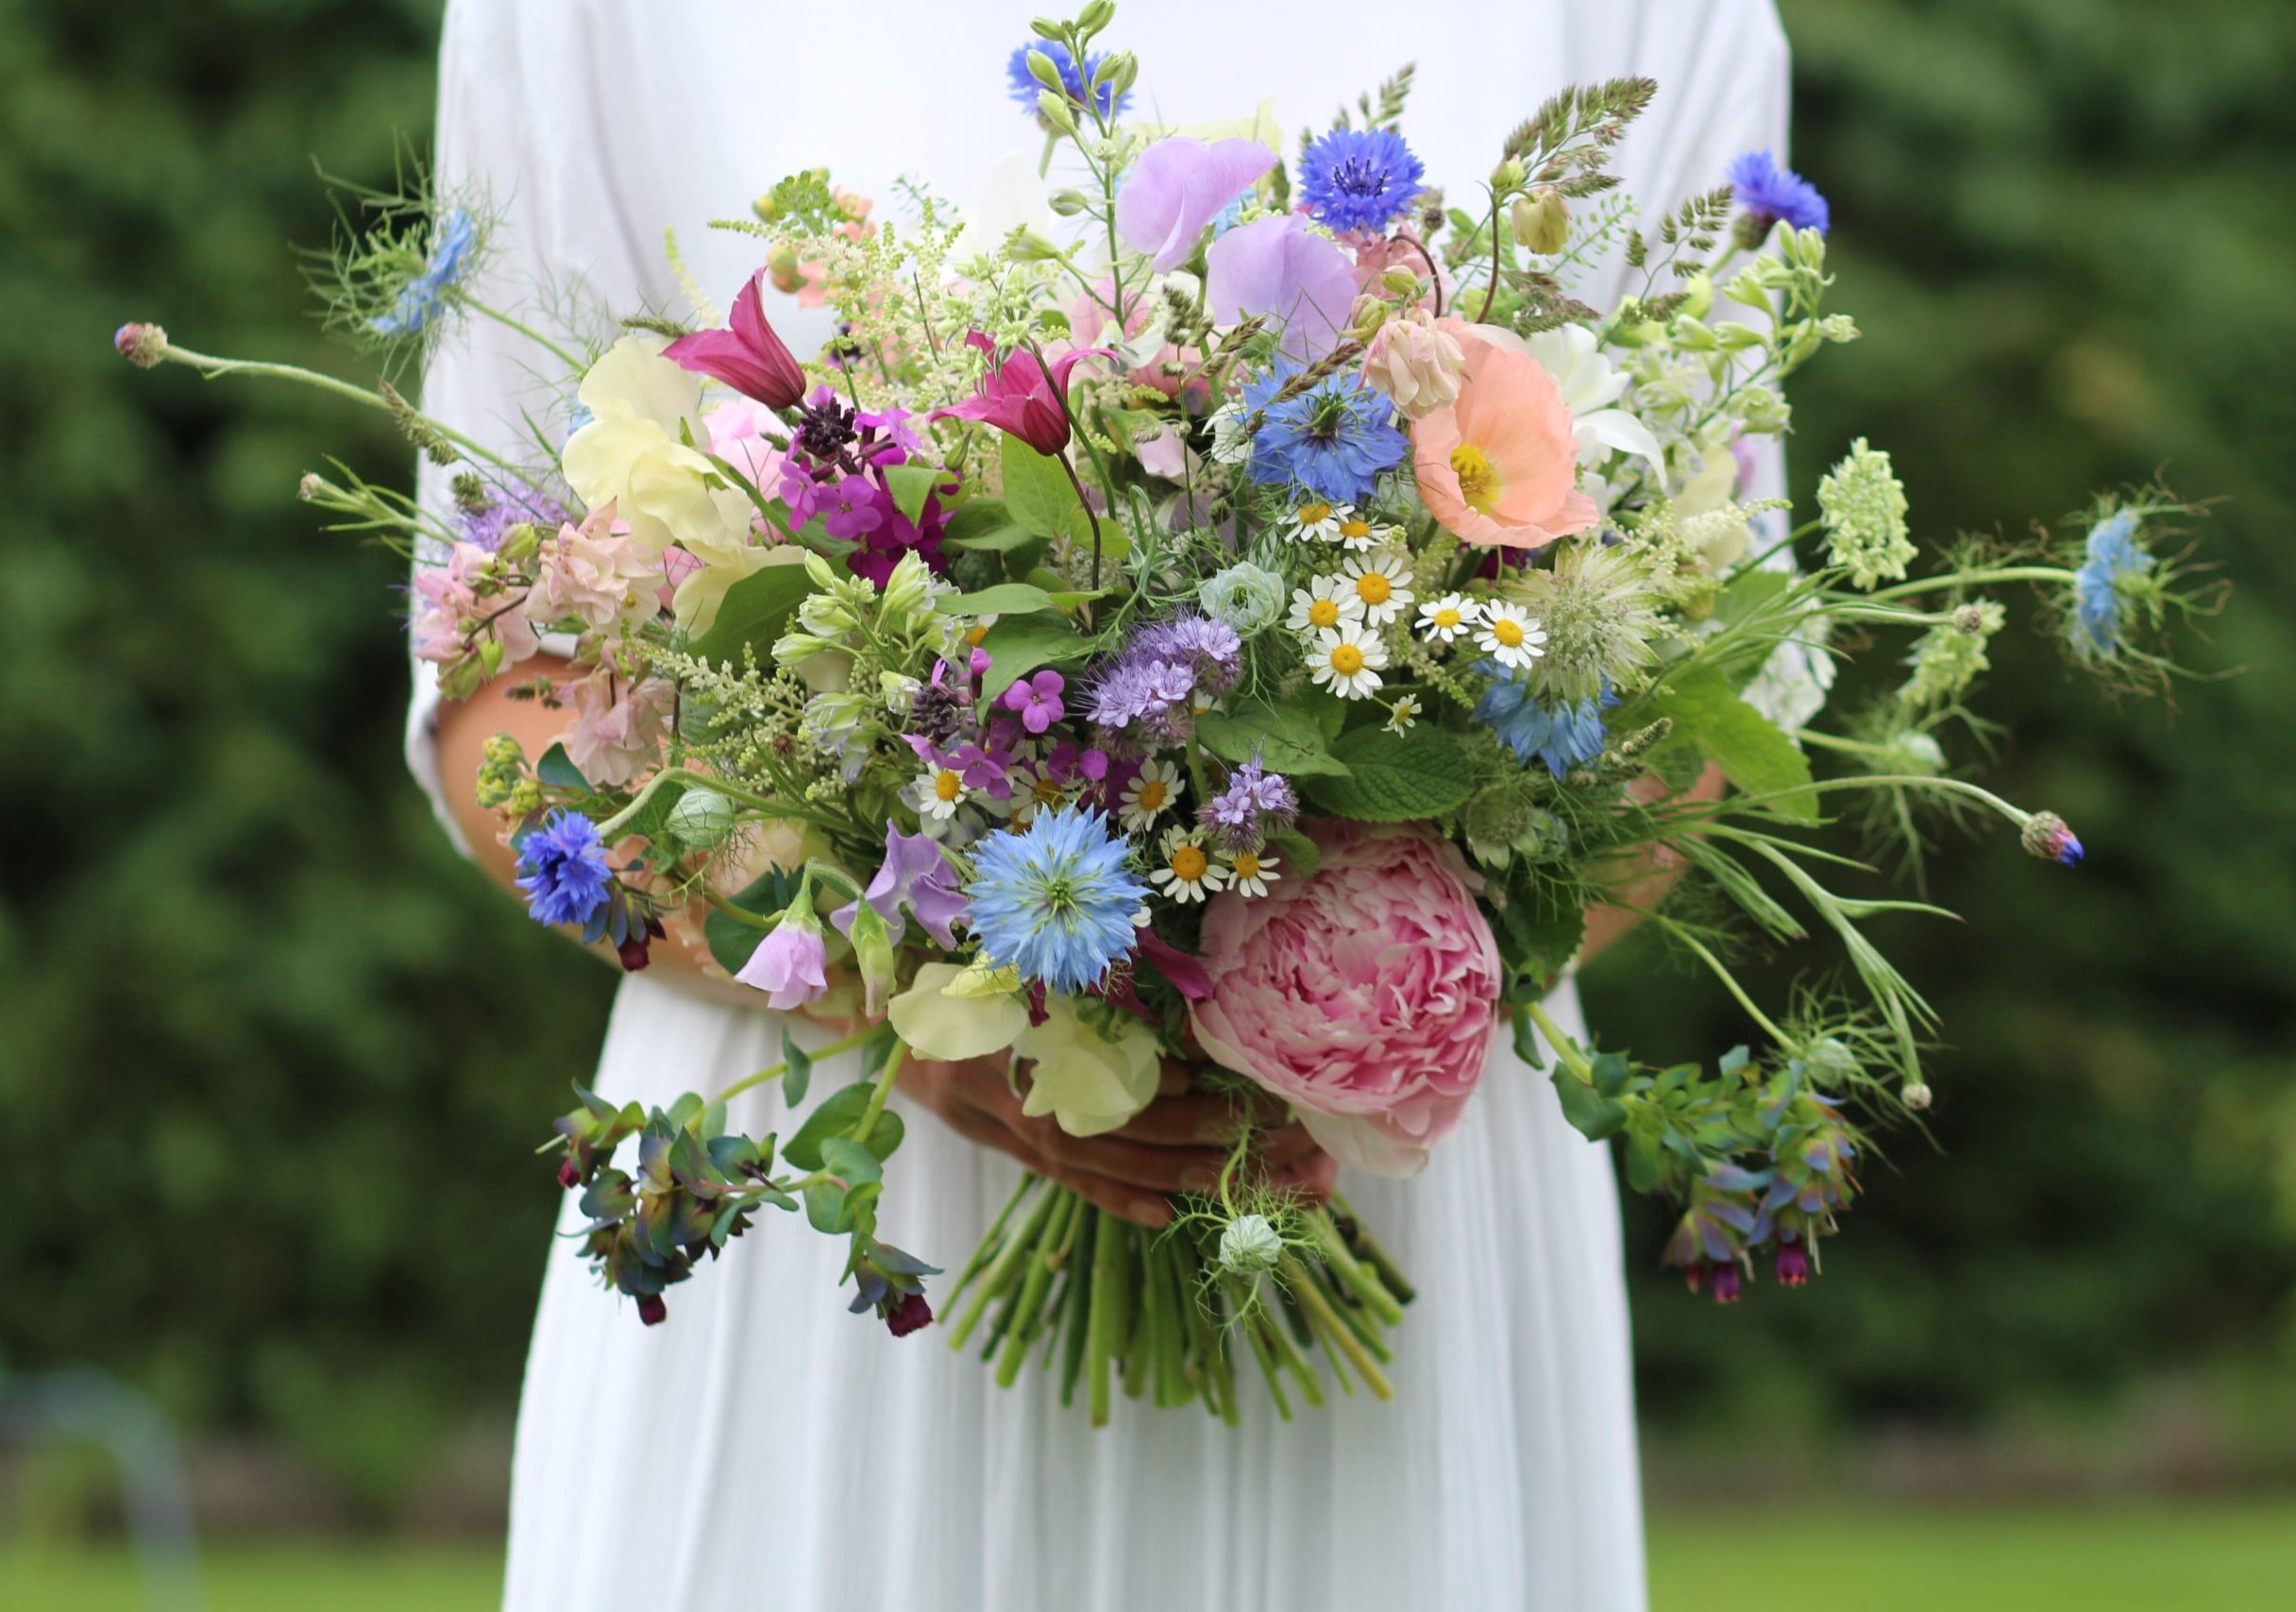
{"x":1148,"y":796}
{"x":1347,"y":660}
{"x":1402,"y":715}
{"x":1325,"y":603}
{"x":1362,"y":534}
{"x":1036,"y":789}
{"x":1509,"y":635}
{"x":938,"y":793}
{"x":1250,"y":873}
{"x":1318,"y":521}
{"x":1443,"y":620}
{"x":1382,"y":586}
{"x":1185,"y":871}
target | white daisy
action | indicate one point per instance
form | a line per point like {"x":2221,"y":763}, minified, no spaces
{"x":940,"y":793}
{"x":1360,"y":533}
{"x":1188,"y":873}
{"x":1250,"y":873}
{"x":1147,"y":796}
{"x":1402,"y":714}
{"x":1035,"y":790}
{"x":1442,"y":620}
{"x":1317,"y":521}
{"x":1510,"y":636}
{"x":1326,"y":601}
{"x":1347,"y":660}
{"x":1382,"y":586}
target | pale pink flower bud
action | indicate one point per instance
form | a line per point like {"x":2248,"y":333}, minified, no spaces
{"x":1414,"y":364}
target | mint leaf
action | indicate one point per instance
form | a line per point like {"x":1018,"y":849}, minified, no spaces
{"x":1286,"y":738}
{"x":1394,"y":777}
{"x":1754,"y":755}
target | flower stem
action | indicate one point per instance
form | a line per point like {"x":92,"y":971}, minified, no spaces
{"x":1085,"y":504}
{"x":213,"y":367}
{"x":778,"y":1070}
{"x":1974,"y":579}
{"x":531,"y":335}
{"x":1105,"y":1319}
{"x":1564,"y":1047}
{"x":1335,"y":1332}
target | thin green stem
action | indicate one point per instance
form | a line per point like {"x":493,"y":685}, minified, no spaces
{"x":524,"y":329}
{"x":1973,"y":579}
{"x":212,"y":369}
{"x":777,"y":1071}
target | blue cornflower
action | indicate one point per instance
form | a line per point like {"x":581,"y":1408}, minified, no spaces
{"x":1770,"y":193}
{"x":562,"y":867}
{"x":418,"y":299}
{"x":1333,"y":439}
{"x":1074,"y":80}
{"x":1055,"y":901}
{"x":1563,"y":735}
{"x":2113,"y":554}
{"x":1358,"y":178}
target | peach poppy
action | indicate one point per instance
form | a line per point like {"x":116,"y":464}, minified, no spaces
{"x":1498,"y":467}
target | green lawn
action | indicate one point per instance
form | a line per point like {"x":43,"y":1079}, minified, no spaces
{"x":2225,"y":1558}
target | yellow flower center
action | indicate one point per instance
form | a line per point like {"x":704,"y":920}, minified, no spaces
{"x":1247,"y":865}
{"x":1313,"y":514}
{"x":1373,"y":587}
{"x":1152,"y":795}
{"x":1355,"y":528}
{"x":1189,"y":862}
{"x":947,"y":784}
{"x":1048,"y":791}
{"x":1324,"y":613}
{"x":1507,"y":630}
{"x":1446,"y":618}
{"x":1346,"y":659}
{"x":1478,"y":483}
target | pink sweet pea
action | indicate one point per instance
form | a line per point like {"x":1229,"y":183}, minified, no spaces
{"x":1022,"y":396}
{"x":790,"y":965}
{"x":747,"y":357}
{"x":1280,"y":268}
{"x":1180,"y":185}
{"x":1365,"y":995}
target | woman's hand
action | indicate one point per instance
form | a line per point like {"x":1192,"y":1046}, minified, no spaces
{"x":1178,"y":1142}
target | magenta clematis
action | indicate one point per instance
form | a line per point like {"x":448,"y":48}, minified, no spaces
{"x":747,"y":356}
{"x":1180,"y":185}
{"x":1023,"y":396}
{"x":1282,"y":269}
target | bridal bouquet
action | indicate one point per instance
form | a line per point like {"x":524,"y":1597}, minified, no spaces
{"x":1227,"y":607}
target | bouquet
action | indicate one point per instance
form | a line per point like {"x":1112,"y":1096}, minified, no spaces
{"x":1226,"y":607}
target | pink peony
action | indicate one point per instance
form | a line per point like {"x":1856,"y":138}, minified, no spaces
{"x":1365,"y":995}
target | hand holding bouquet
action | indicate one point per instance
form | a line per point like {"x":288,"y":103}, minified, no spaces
{"x":1245,"y":626}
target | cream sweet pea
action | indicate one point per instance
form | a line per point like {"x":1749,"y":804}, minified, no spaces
{"x":634,"y":451}
{"x":1090,"y":1077}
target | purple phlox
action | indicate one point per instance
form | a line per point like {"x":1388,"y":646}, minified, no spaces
{"x":1282,"y":269}
{"x":1035,"y":700}
{"x":1180,"y":185}
{"x":916,"y":875}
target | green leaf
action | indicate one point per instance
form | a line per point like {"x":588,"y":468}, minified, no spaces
{"x":986,"y":525}
{"x":842,"y":1155}
{"x":1593,"y":1116}
{"x":1020,"y":644}
{"x":825,"y":1207}
{"x":756,"y":610}
{"x":1038,"y":496}
{"x":1285,"y":737}
{"x":911,"y":484}
{"x":1394,"y":777}
{"x":1541,"y":927}
{"x":838,"y":1113}
{"x":557,"y":768}
{"x":1751,"y":751}
{"x":799,"y":1075}
{"x":1300,"y":856}
{"x":1004,"y":598}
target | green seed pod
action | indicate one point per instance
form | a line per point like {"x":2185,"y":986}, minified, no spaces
{"x":1250,"y":1246}
{"x":701,"y":818}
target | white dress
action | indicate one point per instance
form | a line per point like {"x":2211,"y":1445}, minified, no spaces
{"x":763,"y":1449}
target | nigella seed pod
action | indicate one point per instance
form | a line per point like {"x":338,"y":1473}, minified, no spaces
{"x":701,"y":818}
{"x":1250,"y":1246}
{"x":2046,"y":836}
{"x":1918,"y":1097}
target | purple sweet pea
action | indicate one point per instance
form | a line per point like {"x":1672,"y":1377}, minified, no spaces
{"x":916,"y":875}
{"x":1180,"y":185}
{"x":1036,"y":700}
{"x":790,"y":965}
{"x":1280,"y":268}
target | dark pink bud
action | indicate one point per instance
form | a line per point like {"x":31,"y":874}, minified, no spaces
{"x":569,"y":1175}
{"x":747,"y":356}
{"x":652,"y":1310}
{"x":912,"y":1314}
{"x":1722,"y":1280}
{"x":1793,"y":1265}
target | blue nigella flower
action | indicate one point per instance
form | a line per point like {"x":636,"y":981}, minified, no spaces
{"x":1770,"y":193}
{"x":1056,"y":899}
{"x":1358,"y":178}
{"x":1565,"y":735}
{"x":1333,"y":439}
{"x":418,"y":299}
{"x":2113,"y":554}
{"x":1074,"y":80}
{"x":562,"y":867}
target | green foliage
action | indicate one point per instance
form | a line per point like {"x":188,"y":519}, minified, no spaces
{"x":1394,"y":777}
{"x":756,"y":611}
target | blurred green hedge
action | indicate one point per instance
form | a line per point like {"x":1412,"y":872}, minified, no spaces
{"x":272,"y":1141}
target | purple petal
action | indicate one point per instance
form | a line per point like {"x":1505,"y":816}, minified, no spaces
{"x":1280,"y":268}
{"x":1180,"y":185}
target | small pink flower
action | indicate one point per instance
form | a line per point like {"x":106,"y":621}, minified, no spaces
{"x":1418,"y":365}
{"x":1364,"y":996}
{"x":619,"y":726}
{"x":593,"y":574}
{"x":462,"y":606}
{"x":747,"y":356}
{"x":1177,"y":186}
{"x":1036,"y":700}
{"x":1022,"y":396}
{"x":790,"y":966}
